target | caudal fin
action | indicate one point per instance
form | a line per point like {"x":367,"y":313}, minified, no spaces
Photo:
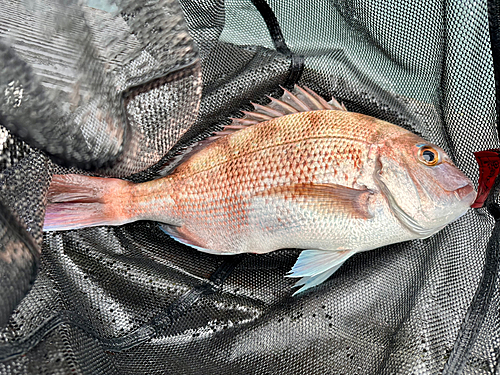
{"x":76,"y":201}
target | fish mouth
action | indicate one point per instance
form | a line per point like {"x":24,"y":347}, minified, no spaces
{"x":465,"y":193}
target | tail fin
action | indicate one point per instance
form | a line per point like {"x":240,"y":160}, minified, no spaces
{"x":76,"y":201}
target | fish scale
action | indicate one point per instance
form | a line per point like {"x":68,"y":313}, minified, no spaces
{"x":325,"y":180}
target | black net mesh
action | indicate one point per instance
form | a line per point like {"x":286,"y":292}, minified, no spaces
{"x":117,"y":87}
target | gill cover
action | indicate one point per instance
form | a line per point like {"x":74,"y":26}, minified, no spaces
{"x":390,"y":177}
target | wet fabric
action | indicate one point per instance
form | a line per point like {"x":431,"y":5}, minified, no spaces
{"x":119,"y":88}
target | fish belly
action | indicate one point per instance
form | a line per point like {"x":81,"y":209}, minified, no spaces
{"x":264,"y":224}
{"x":280,"y":224}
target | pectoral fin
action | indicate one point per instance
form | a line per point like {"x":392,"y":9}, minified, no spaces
{"x":326,"y":197}
{"x":316,"y":266}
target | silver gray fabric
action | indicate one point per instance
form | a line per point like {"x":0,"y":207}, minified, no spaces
{"x":154,"y":77}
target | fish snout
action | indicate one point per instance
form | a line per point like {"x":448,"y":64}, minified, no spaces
{"x":465,"y":193}
{"x":453,"y":181}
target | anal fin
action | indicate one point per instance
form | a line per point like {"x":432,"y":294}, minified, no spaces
{"x":180,"y":234}
{"x":316,"y":266}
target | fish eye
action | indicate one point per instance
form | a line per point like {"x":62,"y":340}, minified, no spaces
{"x":428,"y":155}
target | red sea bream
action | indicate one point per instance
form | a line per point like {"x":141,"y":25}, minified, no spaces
{"x":298,"y":173}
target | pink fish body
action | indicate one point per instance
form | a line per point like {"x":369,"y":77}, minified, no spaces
{"x":326,"y":180}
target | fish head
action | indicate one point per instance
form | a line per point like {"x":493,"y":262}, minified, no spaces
{"x":423,"y":187}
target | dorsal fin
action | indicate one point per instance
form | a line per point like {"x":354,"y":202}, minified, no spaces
{"x":302,"y":99}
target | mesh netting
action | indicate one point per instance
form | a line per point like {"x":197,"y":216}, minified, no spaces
{"x":116,"y":89}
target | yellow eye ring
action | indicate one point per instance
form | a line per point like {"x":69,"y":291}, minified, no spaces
{"x":428,"y":156}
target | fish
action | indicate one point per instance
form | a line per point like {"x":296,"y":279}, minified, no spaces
{"x":300,"y":172}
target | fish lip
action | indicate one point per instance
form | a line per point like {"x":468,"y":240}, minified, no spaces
{"x":464,"y":185}
{"x":464,"y":192}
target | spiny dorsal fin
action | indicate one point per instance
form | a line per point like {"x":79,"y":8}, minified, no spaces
{"x":302,"y":99}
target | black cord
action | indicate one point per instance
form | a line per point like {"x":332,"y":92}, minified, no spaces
{"x":297,"y":61}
